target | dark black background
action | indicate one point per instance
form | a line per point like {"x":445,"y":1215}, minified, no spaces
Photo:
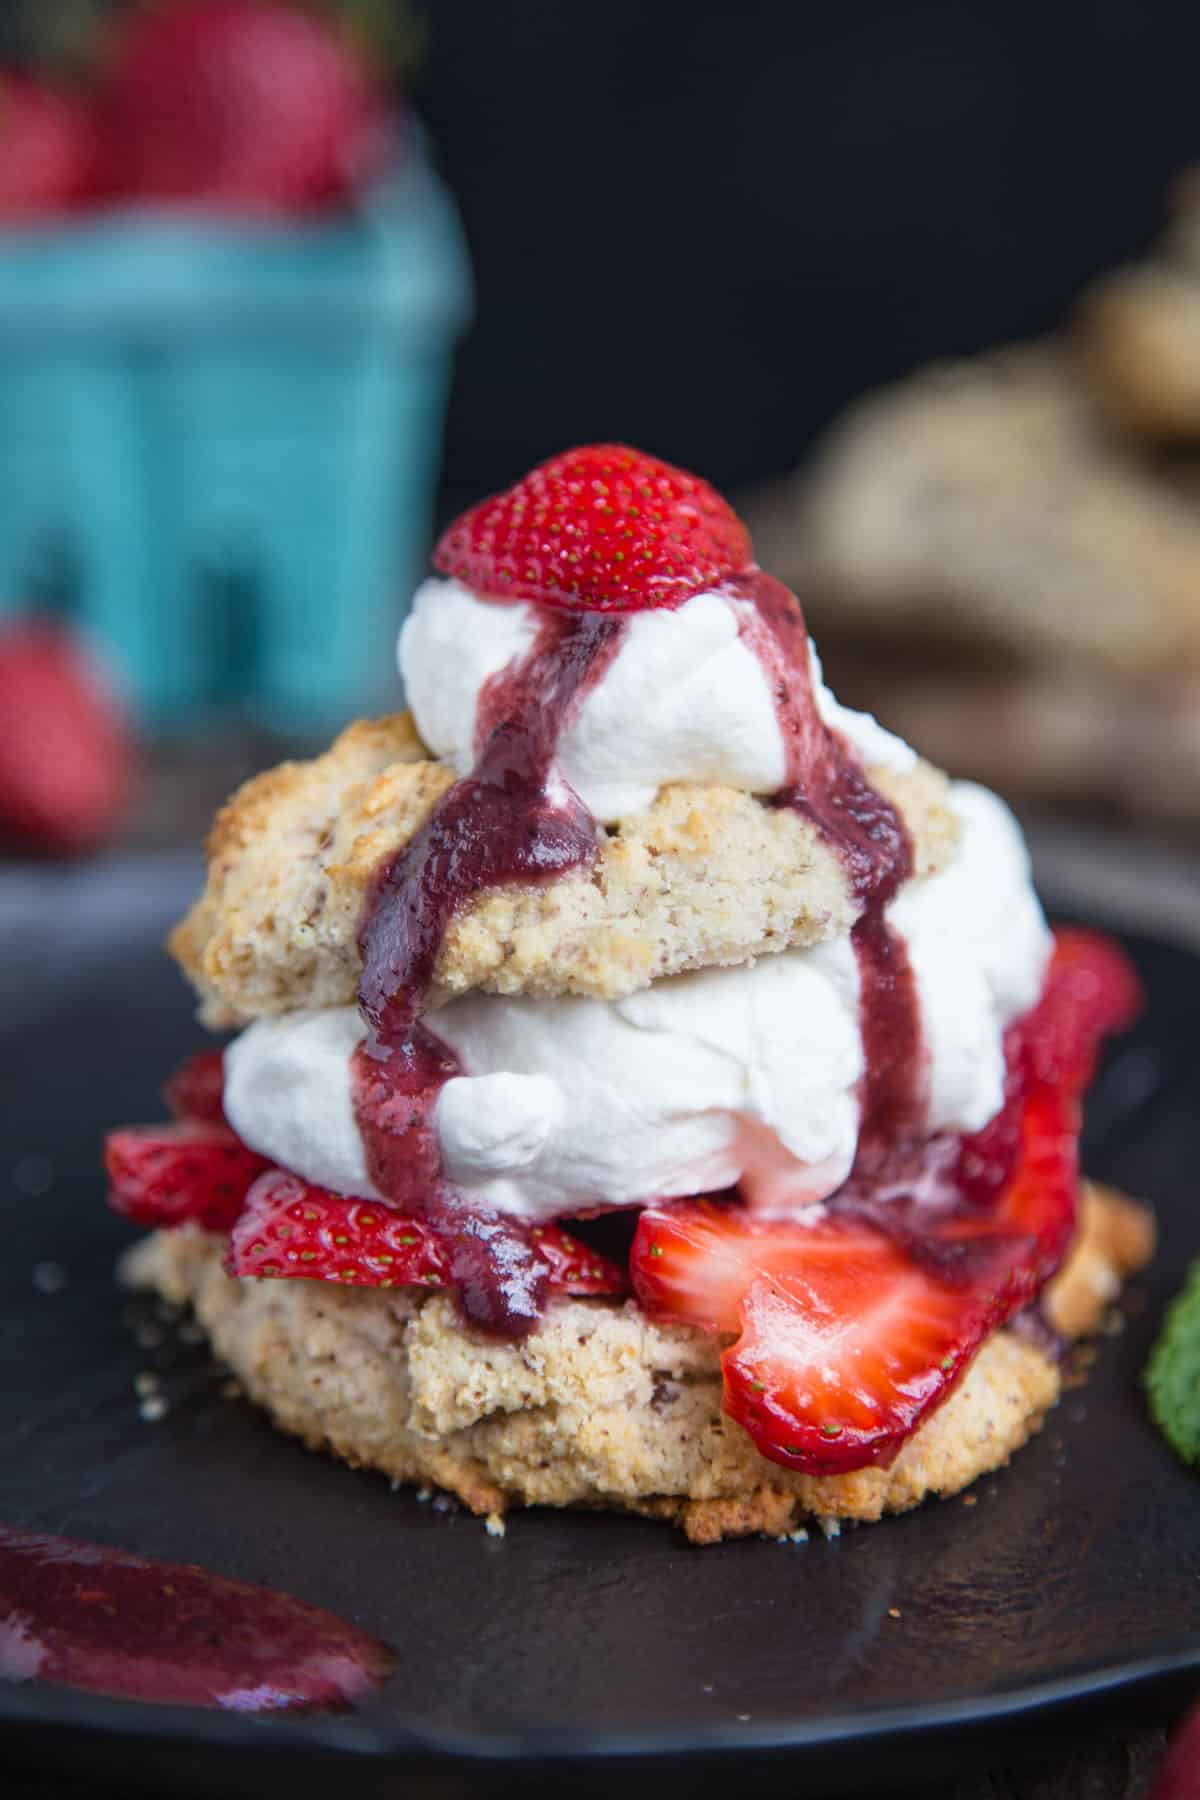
{"x":702,"y":227}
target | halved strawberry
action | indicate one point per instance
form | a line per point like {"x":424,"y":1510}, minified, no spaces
{"x":289,"y":1228}
{"x":182,"y":1174}
{"x":600,"y":529}
{"x":1091,"y":992}
{"x":843,"y":1340}
{"x":197,"y":1088}
{"x":854,"y":1323}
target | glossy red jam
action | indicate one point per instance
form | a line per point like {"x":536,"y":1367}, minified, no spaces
{"x":86,"y":1616}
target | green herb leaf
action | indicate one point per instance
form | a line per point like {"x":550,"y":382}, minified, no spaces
{"x":1172,"y":1375}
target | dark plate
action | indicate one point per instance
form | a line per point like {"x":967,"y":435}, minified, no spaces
{"x":598,"y":1642}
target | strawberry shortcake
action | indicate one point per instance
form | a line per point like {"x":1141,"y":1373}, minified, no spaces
{"x":654,"y":1087}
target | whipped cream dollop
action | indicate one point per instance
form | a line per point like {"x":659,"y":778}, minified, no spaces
{"x":569,"y":1104}
{"x":684,"y":699}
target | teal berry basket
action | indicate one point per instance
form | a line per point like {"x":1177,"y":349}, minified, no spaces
{"x":220,"y":443}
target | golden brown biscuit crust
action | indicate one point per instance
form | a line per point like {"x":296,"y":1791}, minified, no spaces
{"x":601,"y":1407}
{"x":705,"y":876}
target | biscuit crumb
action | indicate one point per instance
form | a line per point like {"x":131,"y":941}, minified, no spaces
{"x":494,"y":1525}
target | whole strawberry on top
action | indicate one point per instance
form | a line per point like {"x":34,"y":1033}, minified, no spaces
{"x":599,"y":529}
{"x":248,"y":105}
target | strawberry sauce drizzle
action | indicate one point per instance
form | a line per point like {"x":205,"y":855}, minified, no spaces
{"x":109,"y":1622}
{"x":825,"y":783}
{"x":509,"y":821}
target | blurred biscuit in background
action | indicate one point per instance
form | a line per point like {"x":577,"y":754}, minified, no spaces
{"x":1000,"y":565}
{"x":1139,"y":331}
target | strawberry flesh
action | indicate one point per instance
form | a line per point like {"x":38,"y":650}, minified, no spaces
{"x":196,"y":1090}
{"x":599,"y":529}
{"x":181,"y":1174}
{"x":289,"y":1228}
{"x":1090,"y":992}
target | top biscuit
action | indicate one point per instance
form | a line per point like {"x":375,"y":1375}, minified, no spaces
{"x":705,"y":876}
{"x":980,"y":503}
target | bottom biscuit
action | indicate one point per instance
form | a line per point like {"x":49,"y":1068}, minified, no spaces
{"x":601,"y":1407}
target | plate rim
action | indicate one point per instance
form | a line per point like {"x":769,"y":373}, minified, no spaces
{"x":180,"y":1727}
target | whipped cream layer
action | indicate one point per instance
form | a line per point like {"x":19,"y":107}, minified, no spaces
{"x":570,"y":1104}
{"x":684,"y":699}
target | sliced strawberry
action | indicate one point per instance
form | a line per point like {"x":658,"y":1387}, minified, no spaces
{"x":599,"y":529}
{"x":855,"y":1323}
{"x":165,"y":1175}
{"x":835,"y":1366}
{"x":65,"y":750}
{"x":196,"y":1090}
{"x":1091,"y":992}
{"x":290,"y":1228}
{"x":575,"y":1268}
{"x":1035,"y":1209}
{"x":843,"y":1339}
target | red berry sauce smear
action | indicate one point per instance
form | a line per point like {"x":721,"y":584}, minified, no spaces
{"x":824,"y":782}
{"x":510,"y":822}
{"x":109,"y":1622}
